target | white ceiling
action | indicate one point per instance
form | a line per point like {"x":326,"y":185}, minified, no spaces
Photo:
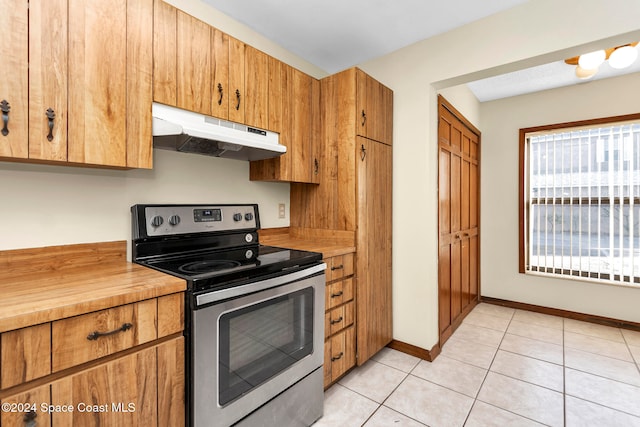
{"x":337,"y":34}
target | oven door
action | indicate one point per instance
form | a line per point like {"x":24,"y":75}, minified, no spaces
{"x":252,"y":347}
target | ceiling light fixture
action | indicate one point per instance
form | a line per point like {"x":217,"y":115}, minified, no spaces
{"x":619,"y":57}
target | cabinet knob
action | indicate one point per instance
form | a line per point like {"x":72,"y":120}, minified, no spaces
{"x":5,"y":108}
{"x":51,"y":115}
{"x":30,"y":418}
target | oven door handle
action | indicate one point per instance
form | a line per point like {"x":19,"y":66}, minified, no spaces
{"x":219,"y":295}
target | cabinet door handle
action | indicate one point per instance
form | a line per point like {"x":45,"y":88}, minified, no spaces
{"x":238,"y":98}
{"x":364,"y":118}
{"x":5,"y":108}
{"x":337,"y":267}
{"x":363,"y":152}
{"x":338,"y":320}
{"x":338,"y":357}
{"x":220,"y":91}
{"x":95,"y":334}
{"x":51,"y":115}
{"x":316,"y":166}
{"x":30,"y":419}
{"x":337,"y":294}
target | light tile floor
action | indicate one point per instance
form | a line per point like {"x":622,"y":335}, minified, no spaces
{"x":502,"y":367}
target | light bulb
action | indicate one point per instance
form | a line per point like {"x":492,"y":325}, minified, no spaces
{"x":592,"y":60}
{"x":583,"y":74}
{"x":623,"y":57}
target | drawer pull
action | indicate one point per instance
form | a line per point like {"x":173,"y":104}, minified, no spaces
{"x":95,"y":334}
{"x":337,"y":267}
{"x":338,"y":320}
{"x":51,"y":115}
{"x":337,"y":294}
{"x":338,"y":357}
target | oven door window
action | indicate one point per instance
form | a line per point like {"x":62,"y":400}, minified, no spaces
{"x":262,"y":340}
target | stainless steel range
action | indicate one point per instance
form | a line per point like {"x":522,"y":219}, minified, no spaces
{"x":254,"y":322}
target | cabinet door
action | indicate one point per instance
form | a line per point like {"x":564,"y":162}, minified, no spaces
{"x":374,"y":111}
{"x":97,"y":82}
{"x":171,"y":382}
{"x":237,"y":97}
{"x":48,"y":80}
{"x":165,"y":53}
{"x":25,"y":355}
{"x":299,"y":118}
{"x":373,"y":258}
{"x":14,"y":108}
{"x":256,"y":78}
{"x":122,"y":392}
{"x":220,"y":77}
{"x":193,"y":64}
{"x":110,"y":68}
{"x":28,"y":406}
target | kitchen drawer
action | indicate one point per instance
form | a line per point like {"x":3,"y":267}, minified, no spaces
{"x":342,"y":355}
{"x":339,"y":318}
{"x":83,"y":338}
{"x":339,"y":267}
{"x":337,"y":293}
{"x":25,"y":354}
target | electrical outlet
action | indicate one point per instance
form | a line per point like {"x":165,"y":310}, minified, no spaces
{"x":281,"y":212}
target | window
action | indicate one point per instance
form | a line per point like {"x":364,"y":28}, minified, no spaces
{"x":580,"y":200}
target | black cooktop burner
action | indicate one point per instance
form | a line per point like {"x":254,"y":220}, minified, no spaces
{"x":199,"y":267}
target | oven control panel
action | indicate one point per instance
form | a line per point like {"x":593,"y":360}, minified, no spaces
{"x":163,"y":220}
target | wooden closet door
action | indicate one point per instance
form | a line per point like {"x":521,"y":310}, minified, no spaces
{"x":458,"y":201}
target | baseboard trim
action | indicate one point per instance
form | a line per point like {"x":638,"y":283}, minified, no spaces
{"x":416,"y":351}
{"x":601,"y":320}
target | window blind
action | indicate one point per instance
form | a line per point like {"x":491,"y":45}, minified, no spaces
{"x":583,"y":202}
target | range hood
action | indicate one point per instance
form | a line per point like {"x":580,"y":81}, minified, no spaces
{"x":181,"y":130}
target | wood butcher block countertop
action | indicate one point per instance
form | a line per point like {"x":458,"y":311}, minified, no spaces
{"x":46,"y":284}
{"x":329,"y":243}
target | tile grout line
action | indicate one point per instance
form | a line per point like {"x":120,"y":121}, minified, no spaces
{"x":475,"y":399}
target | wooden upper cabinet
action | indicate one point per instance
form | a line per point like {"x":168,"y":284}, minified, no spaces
{"x":296,"y":96}
{"x":237,"y":96}
{"x":14,"y":90}
{"x":165,"y":68}
{"x":48,"y":80}
{"x":221,"y":92}
{"x":374,"y":109}
{"x":256,"y":87}
{"x":194,"y":64}
{"x":110,"y":82}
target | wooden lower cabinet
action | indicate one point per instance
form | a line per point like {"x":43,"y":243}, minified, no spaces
{"x":122,"y":392}
{"x":340,"y":318}
{"x":131,"y":377}
{"x":26,"y":407}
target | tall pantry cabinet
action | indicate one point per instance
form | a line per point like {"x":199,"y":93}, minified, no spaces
{"x":354,"y":193}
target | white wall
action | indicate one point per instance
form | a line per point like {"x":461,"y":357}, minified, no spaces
{"x":44,"y":205}
{"x":503,"y":42}
{"x":501,"y":121}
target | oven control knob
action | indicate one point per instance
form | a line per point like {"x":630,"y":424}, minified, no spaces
{"x":157,"y":221}
{"x":248,"y":238}
{"x":248,"y":254}
{"x":174,"y":220}
{"x":237,"y":217}
{"x":248,"y":216}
